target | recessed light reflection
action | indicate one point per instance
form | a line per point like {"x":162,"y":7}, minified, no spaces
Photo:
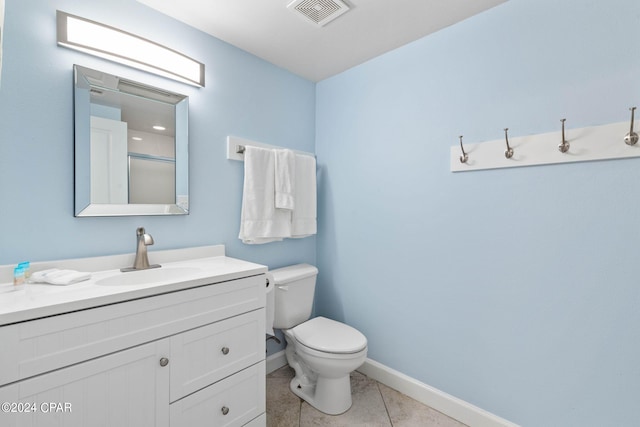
{"x":158,"y":127}
{"x":136,"y":138}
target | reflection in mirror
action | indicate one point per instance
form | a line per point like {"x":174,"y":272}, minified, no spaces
{"x":131,"y":147}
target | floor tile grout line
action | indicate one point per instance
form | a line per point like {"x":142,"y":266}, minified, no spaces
{"x":388,"y":406}
{"x":384,"y":402}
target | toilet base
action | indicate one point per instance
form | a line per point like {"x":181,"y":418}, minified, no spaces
{"x":329,"y":395}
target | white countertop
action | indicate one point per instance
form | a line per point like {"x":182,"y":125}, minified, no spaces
{"x":31,"y":301}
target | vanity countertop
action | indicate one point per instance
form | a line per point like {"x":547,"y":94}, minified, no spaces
{"x":31,"y":301}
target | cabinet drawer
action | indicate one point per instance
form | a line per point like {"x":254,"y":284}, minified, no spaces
{"x":50,"y":343}
{"x":261,"y":421}
{"x":202,"y":356}
{"x":234,"y":401}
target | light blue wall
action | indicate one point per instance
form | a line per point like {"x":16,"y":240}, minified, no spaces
{"x":244,"y":96}
{"x":516,"y":290}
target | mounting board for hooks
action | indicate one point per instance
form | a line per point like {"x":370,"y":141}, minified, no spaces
{"x":586,"y":144}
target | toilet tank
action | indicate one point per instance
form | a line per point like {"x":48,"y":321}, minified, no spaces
{"x":293,"y":299}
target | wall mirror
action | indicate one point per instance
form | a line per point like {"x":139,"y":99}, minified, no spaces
{"x":131,"y":147}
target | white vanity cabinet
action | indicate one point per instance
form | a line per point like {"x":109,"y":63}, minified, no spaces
{"x":183,"y":358}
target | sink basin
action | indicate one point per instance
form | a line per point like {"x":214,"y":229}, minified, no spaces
{"x":145,"y":277}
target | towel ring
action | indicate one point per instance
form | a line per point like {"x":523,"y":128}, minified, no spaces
{"x":509,"y":151}
{"x":464,"y":157}
{"x":564,"y":145}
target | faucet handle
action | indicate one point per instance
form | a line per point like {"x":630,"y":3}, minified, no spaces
{"x":146,"y":238}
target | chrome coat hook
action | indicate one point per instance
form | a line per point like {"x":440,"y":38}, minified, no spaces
{"x":509,"y":151}
{"x":631,"y":138}
{"x":464,"y":157}
{"x":564,"y":145}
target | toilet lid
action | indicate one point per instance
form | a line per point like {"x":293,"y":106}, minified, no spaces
{"x":327,"y":335}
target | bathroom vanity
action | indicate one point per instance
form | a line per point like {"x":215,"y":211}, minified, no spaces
{"x":182,"y":345}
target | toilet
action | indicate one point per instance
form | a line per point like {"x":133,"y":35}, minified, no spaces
{"x":322,"y":352}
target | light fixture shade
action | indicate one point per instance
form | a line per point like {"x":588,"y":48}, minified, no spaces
{"x":111,"y":43}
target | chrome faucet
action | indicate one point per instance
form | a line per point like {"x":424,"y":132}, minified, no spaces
{"x":142,"y":260}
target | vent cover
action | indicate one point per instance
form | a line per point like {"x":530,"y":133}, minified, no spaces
{"x":320,"y":12}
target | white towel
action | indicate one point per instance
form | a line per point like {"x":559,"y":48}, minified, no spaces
{"x":303,"y":221}
{"x":260,"y":221}
{"x":285,"y":176}
{"x":55,"y":276}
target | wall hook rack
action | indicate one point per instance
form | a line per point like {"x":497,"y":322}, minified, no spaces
{"x":631,"y":138}
{"x":464,"y":157}
{"x":564,"y":145}
{"x":587,"y":144}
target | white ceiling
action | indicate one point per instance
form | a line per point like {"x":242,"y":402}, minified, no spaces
{"x":271,"y":31}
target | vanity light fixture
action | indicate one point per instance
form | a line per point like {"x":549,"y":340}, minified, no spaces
{"x":116,"y":45}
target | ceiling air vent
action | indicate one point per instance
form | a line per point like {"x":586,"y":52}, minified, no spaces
{"x":320,"y":12}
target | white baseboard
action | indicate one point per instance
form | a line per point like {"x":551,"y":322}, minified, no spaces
{"x":451,"y":406}
{"x":276,"y":361}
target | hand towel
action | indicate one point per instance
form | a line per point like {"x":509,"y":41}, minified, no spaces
{"x":260,"y":221}
{"x":303,"y":221}
{"x":285,"y":178}
{"x":55,"y":276}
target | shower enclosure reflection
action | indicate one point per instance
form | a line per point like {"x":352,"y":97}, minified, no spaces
{"x":131,"y":147}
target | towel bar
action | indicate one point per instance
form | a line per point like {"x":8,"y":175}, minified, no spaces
{"x":236,"y":148}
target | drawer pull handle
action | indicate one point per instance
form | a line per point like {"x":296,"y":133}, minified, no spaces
{"x":225,"y":350}
{"x":225,"y":410}
{"x":164,"y":362}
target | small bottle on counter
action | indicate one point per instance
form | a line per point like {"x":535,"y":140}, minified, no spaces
{"x":26,"y":266}
{"x":18,"y":276}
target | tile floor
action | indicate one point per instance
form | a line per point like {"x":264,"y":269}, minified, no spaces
{"x":374,"y":405}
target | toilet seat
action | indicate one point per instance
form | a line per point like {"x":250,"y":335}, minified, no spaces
{"x":328,"y":336}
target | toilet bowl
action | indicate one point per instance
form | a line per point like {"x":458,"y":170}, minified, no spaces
{"x":322,"y":352}
{"x":323,"y":366}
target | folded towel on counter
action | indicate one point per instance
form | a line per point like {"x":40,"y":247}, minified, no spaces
{"x":303,"y":220}
{"x":55,"y":276}
{"x":260,"y":220}
{"x":285,"y":176}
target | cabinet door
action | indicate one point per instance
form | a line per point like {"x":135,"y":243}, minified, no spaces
{"x":127,"y":388}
